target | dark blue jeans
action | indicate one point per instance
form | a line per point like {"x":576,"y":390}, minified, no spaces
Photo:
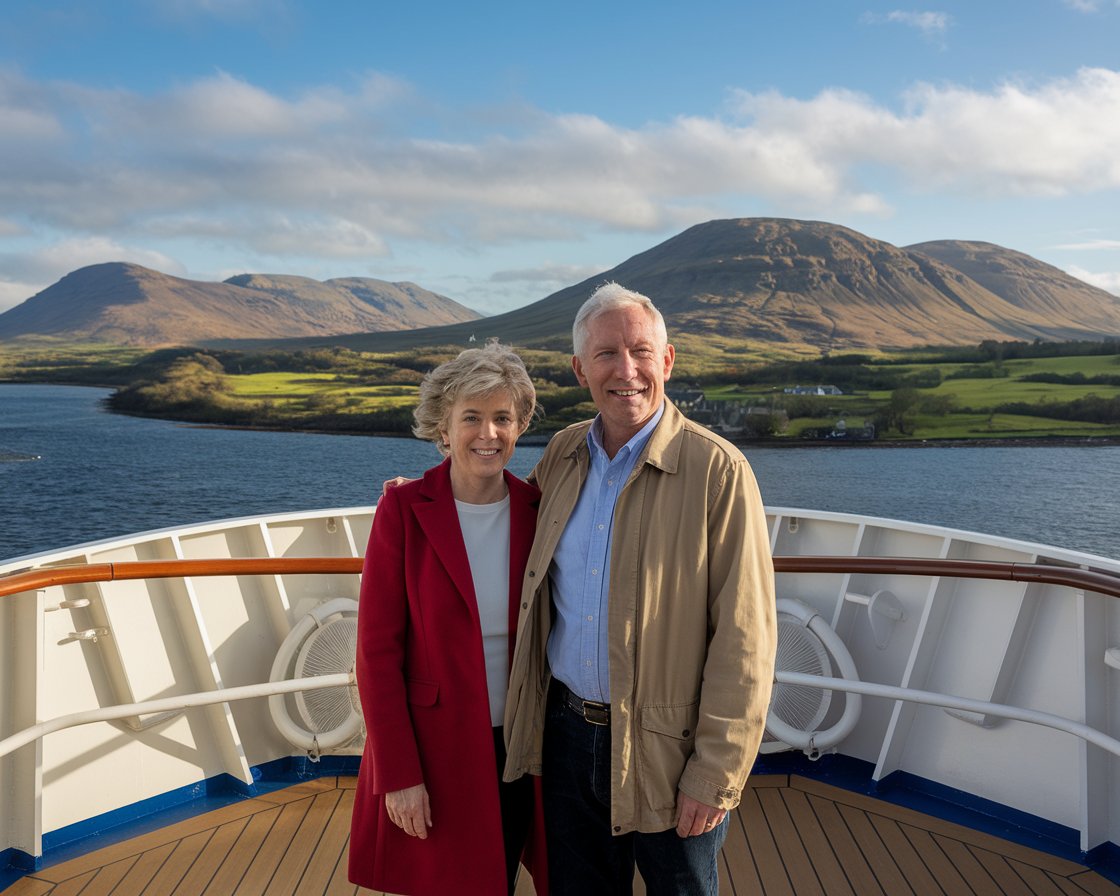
{"x":584,"y":858}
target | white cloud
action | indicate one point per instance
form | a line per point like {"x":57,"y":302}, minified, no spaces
{"x":933,"y":25}
{"x":11,"y":228}
{"x":1052,"y":139}
{"x":548,"y":274}
{"x":1089,"y":5}
{"x":25,"y":111}
{"x":28,"y":273}
{"x":330,"y":173}
{"x":1090,"y":245}
{"x":226,"y":10}
{"x":13,"y":293}
{"x":1107,"y":280}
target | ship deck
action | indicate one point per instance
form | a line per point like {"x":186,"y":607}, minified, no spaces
{"x":791,"y":835}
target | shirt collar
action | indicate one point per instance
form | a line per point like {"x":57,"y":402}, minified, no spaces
{"x":637,"y":441}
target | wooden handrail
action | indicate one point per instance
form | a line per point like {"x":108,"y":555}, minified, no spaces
{"x":30,"y":580}
{"x":1096,"y":580}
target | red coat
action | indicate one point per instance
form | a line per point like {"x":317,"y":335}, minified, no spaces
{"x":422,"y":680}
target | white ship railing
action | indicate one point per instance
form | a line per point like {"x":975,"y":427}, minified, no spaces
{"x":1092,"y":580}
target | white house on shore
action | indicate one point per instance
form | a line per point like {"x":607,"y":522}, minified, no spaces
{"x":812,"y":390}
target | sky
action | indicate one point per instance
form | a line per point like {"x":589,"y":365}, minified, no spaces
{"x":497,"y":152}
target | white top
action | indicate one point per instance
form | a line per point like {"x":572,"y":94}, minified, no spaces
{"x":486,"y":534}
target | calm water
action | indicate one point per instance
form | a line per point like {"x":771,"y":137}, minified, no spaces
{"x":101,"y":475}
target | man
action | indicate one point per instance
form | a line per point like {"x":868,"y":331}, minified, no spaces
{"x":645,"y":644}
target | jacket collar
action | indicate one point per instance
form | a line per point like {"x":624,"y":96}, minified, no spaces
{"x":663,"y":450}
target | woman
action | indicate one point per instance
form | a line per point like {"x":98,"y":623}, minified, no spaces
{"x":439,"y":594}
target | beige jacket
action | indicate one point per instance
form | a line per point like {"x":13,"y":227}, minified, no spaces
{"x":691,"y":621}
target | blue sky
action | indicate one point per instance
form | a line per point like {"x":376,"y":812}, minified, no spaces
{"x":496,"y":152}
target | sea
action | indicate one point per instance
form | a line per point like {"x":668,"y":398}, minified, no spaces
{"x":73,"y":472}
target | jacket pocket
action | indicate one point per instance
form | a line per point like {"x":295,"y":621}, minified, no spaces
{"x":666,"y":737}
{"x":422,"y":693}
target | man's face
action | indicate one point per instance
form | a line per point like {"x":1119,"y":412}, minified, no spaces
{"x":625,"y":366}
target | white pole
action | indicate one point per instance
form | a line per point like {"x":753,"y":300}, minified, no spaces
{"x":931,"y":698}
{"x":184,"y":701}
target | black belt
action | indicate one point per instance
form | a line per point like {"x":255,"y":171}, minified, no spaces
{"x":591,"y":710}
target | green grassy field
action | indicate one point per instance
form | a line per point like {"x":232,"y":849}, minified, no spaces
{"x":357,"y":391}
{"x":297,"y":388}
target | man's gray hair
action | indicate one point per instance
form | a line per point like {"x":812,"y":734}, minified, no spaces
{"x":475,"y":373}
{"x":612,"y":297}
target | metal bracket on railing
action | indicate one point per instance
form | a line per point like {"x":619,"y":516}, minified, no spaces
{"x":884,"y":611}
{"x":1112,"y":657}
{"x":134,"y":723}
{"x":78,"y":604}
{"x":89,"y":634}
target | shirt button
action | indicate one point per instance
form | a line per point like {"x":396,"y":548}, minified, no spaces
{"x":590,"y":618}
{"x":532,"y":574}
{"x":594,"y":572}
{"x":600,"y":527}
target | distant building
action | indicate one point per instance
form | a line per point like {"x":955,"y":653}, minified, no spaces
{"x":813,"y":390}
{"x":841,"y":431}
{"x":731,"y":419}
{"x":685,"y":397}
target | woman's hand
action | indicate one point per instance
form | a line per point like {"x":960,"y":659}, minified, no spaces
{"x":410,"y":810}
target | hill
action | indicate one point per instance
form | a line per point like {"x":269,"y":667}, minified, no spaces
{"x":816,"y":284}
{"x":131,"y":305}
{"x":803,"y":284}
{"x":1029,"y":283}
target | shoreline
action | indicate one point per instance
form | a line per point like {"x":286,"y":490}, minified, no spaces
{"x":994,"y":442}
{"x":541,"y":439}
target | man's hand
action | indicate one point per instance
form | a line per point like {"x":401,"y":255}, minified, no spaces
{"x":694,"y":817}
{"x":393,"y":483}
{"x":410,"y":810}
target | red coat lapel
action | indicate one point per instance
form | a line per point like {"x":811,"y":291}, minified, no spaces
{"x":436,"y":514}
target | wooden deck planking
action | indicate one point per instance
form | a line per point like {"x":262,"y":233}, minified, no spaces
{"x":791,"y":836}
{"x":818,"y":845}
{"x":228,"y":876}
{"x":795,"y":858}
{"x":906,"y":858}
{"x":1090,"y":882}
{"x":267,"y":859}
{"x":752,"y":856}
{"x":968,"y":865}
{"x":947,"y":875}
{"x":857,"y":873}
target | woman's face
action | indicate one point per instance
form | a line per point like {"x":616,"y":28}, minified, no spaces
{"x":481,"y":434}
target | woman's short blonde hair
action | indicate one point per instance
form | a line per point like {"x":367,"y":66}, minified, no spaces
{"x":476,"y":372}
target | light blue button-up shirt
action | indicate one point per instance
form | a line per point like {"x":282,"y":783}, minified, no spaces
{"x":581,"y":569}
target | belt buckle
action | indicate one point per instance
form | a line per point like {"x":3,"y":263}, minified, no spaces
{"x":596,"y":713}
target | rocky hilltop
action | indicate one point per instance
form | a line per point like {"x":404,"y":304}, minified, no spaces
{"x":132,"y":305}
{"x":821,"y":285}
